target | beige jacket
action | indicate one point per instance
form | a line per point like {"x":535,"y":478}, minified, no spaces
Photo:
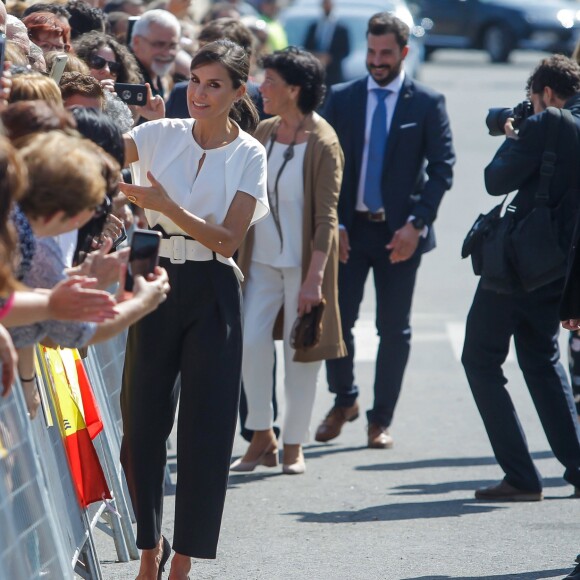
{"x":323,"y":165}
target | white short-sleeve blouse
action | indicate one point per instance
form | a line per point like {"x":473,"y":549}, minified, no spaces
{"x":167,"y":148}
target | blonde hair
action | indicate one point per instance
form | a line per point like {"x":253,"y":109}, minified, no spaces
{"x":35,"y":87}
{"x":14,"y":54}
{"x":70,"y":180}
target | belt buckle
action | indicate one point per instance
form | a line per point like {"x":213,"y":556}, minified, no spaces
{"x":378,"y":216}
{"x":177,"y":250}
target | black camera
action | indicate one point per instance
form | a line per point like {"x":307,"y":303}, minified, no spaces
{"x":497,"y":117}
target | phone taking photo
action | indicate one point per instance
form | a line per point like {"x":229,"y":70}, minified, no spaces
{"x":2,"y":51}
{"x":144,"y":255}
{"x":132,"y":94}
{"x":58,"y":66}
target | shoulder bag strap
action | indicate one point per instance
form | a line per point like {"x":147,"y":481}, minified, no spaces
{"x":549,"y":157}
{"x":569,"y":119}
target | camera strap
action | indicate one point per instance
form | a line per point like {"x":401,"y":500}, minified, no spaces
{"x":549,"y":157}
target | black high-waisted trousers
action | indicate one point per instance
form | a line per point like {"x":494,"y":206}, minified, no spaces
{"x":197,"y":331}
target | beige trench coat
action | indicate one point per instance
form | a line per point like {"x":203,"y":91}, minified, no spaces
{"x":323,"y":165}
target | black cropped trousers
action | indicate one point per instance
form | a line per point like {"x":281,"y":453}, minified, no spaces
{"x":197,"y":332}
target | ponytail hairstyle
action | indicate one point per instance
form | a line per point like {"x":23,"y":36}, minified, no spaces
{"x":236,"y":61}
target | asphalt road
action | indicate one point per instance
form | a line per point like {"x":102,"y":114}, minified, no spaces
{"x":408,"y":513}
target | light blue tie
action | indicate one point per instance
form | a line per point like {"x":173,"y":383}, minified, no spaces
{"x":377,"y":143}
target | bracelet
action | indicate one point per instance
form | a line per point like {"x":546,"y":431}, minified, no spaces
{"x":22,"y":380}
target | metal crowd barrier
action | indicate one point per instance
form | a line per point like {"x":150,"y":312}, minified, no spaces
{"x":31,"y":545}
{"x":44,"y":531}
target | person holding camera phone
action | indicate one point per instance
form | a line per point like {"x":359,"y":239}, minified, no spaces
{"x":202,"y":182}
{"x":530,"y":315}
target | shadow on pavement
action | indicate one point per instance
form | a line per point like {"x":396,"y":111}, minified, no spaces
{"x":314,"y":451}
{"x":399,"y":512}
{"x":250,"y":476}
{"x":444,"y":462}
{"x":448,"y":486}
{"x":537,"y":575}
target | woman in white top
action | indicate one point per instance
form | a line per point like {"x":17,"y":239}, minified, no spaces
{"x":291,"y":257}
{"x":202,"y":182}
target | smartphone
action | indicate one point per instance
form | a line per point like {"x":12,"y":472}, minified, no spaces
{"x":2,"y":51}
{"x":130,"y":24}
{"x":118,"y":241}
{"x":58,"y":66}
{"x":144,"y":255}
{"x":131,"y":94}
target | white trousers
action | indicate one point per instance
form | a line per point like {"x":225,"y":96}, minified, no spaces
{"x":266,"y":291}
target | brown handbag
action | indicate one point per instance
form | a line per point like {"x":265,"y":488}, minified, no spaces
{"x":307,"y":329}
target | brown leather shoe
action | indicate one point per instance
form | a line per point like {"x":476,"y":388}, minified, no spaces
{"x":332,"y":424}
{"x":503,"y":491}
{"x":379,"y":437}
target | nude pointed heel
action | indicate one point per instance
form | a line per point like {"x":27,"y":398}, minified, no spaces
{"x":269,"y":458}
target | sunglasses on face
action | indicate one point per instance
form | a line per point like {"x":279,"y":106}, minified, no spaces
{"x":98,"y":62}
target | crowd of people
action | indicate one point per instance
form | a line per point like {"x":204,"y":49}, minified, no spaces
{"x":272,"y":205}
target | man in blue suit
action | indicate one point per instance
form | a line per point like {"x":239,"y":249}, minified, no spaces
{"x":398,"y":164}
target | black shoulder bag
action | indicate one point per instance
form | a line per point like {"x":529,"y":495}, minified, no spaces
{"x":535,"y":242}
{"x":526,"y":254}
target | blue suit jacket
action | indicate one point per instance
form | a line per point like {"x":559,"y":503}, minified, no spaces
{"x":419,"y":157}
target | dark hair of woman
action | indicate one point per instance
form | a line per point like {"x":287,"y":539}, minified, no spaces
{"x":25,"y":117}
{"x":84,"y":18}
{"x":235,"y":60}
{"x":88,"y":44}
{"x":57,"y":9}
{"x":100,"y":129}
{"x":13,"y":183}
{"x":299,"y":68}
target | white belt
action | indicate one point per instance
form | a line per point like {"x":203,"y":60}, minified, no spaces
{"x":179,"y":249}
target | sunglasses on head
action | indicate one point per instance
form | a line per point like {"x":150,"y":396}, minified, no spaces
{"x":98,"y":62}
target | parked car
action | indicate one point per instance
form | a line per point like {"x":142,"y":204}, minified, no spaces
{"x":499,"y":26}
{"x":355,"y":16}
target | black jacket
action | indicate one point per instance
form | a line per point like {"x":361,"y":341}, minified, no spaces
{"x":516,"y":167}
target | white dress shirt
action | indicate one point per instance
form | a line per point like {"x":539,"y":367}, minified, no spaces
{"x":391,"y":102}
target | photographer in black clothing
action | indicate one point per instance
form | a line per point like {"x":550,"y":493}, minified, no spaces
{"x":531,"y":317}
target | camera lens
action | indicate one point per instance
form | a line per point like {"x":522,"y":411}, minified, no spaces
{"x":496,"y":119}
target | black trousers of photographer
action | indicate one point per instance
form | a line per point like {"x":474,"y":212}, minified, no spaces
{"x":532,"y":319}
{"x":197,"y":331}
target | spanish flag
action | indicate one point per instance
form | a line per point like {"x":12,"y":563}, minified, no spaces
{"x":79,"y":422}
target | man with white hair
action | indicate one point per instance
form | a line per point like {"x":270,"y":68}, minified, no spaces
{"x":155,"y":42}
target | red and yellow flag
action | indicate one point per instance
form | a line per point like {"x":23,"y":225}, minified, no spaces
{"x":79,"y":422}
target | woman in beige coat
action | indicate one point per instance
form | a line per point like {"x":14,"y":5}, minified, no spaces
{"x":291,"y":258}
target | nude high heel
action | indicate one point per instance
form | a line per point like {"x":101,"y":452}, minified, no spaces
{"x":298,"y":466}
{"x":268,"y":458}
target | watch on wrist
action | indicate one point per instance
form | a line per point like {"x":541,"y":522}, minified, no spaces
{"x":418,"y":223}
